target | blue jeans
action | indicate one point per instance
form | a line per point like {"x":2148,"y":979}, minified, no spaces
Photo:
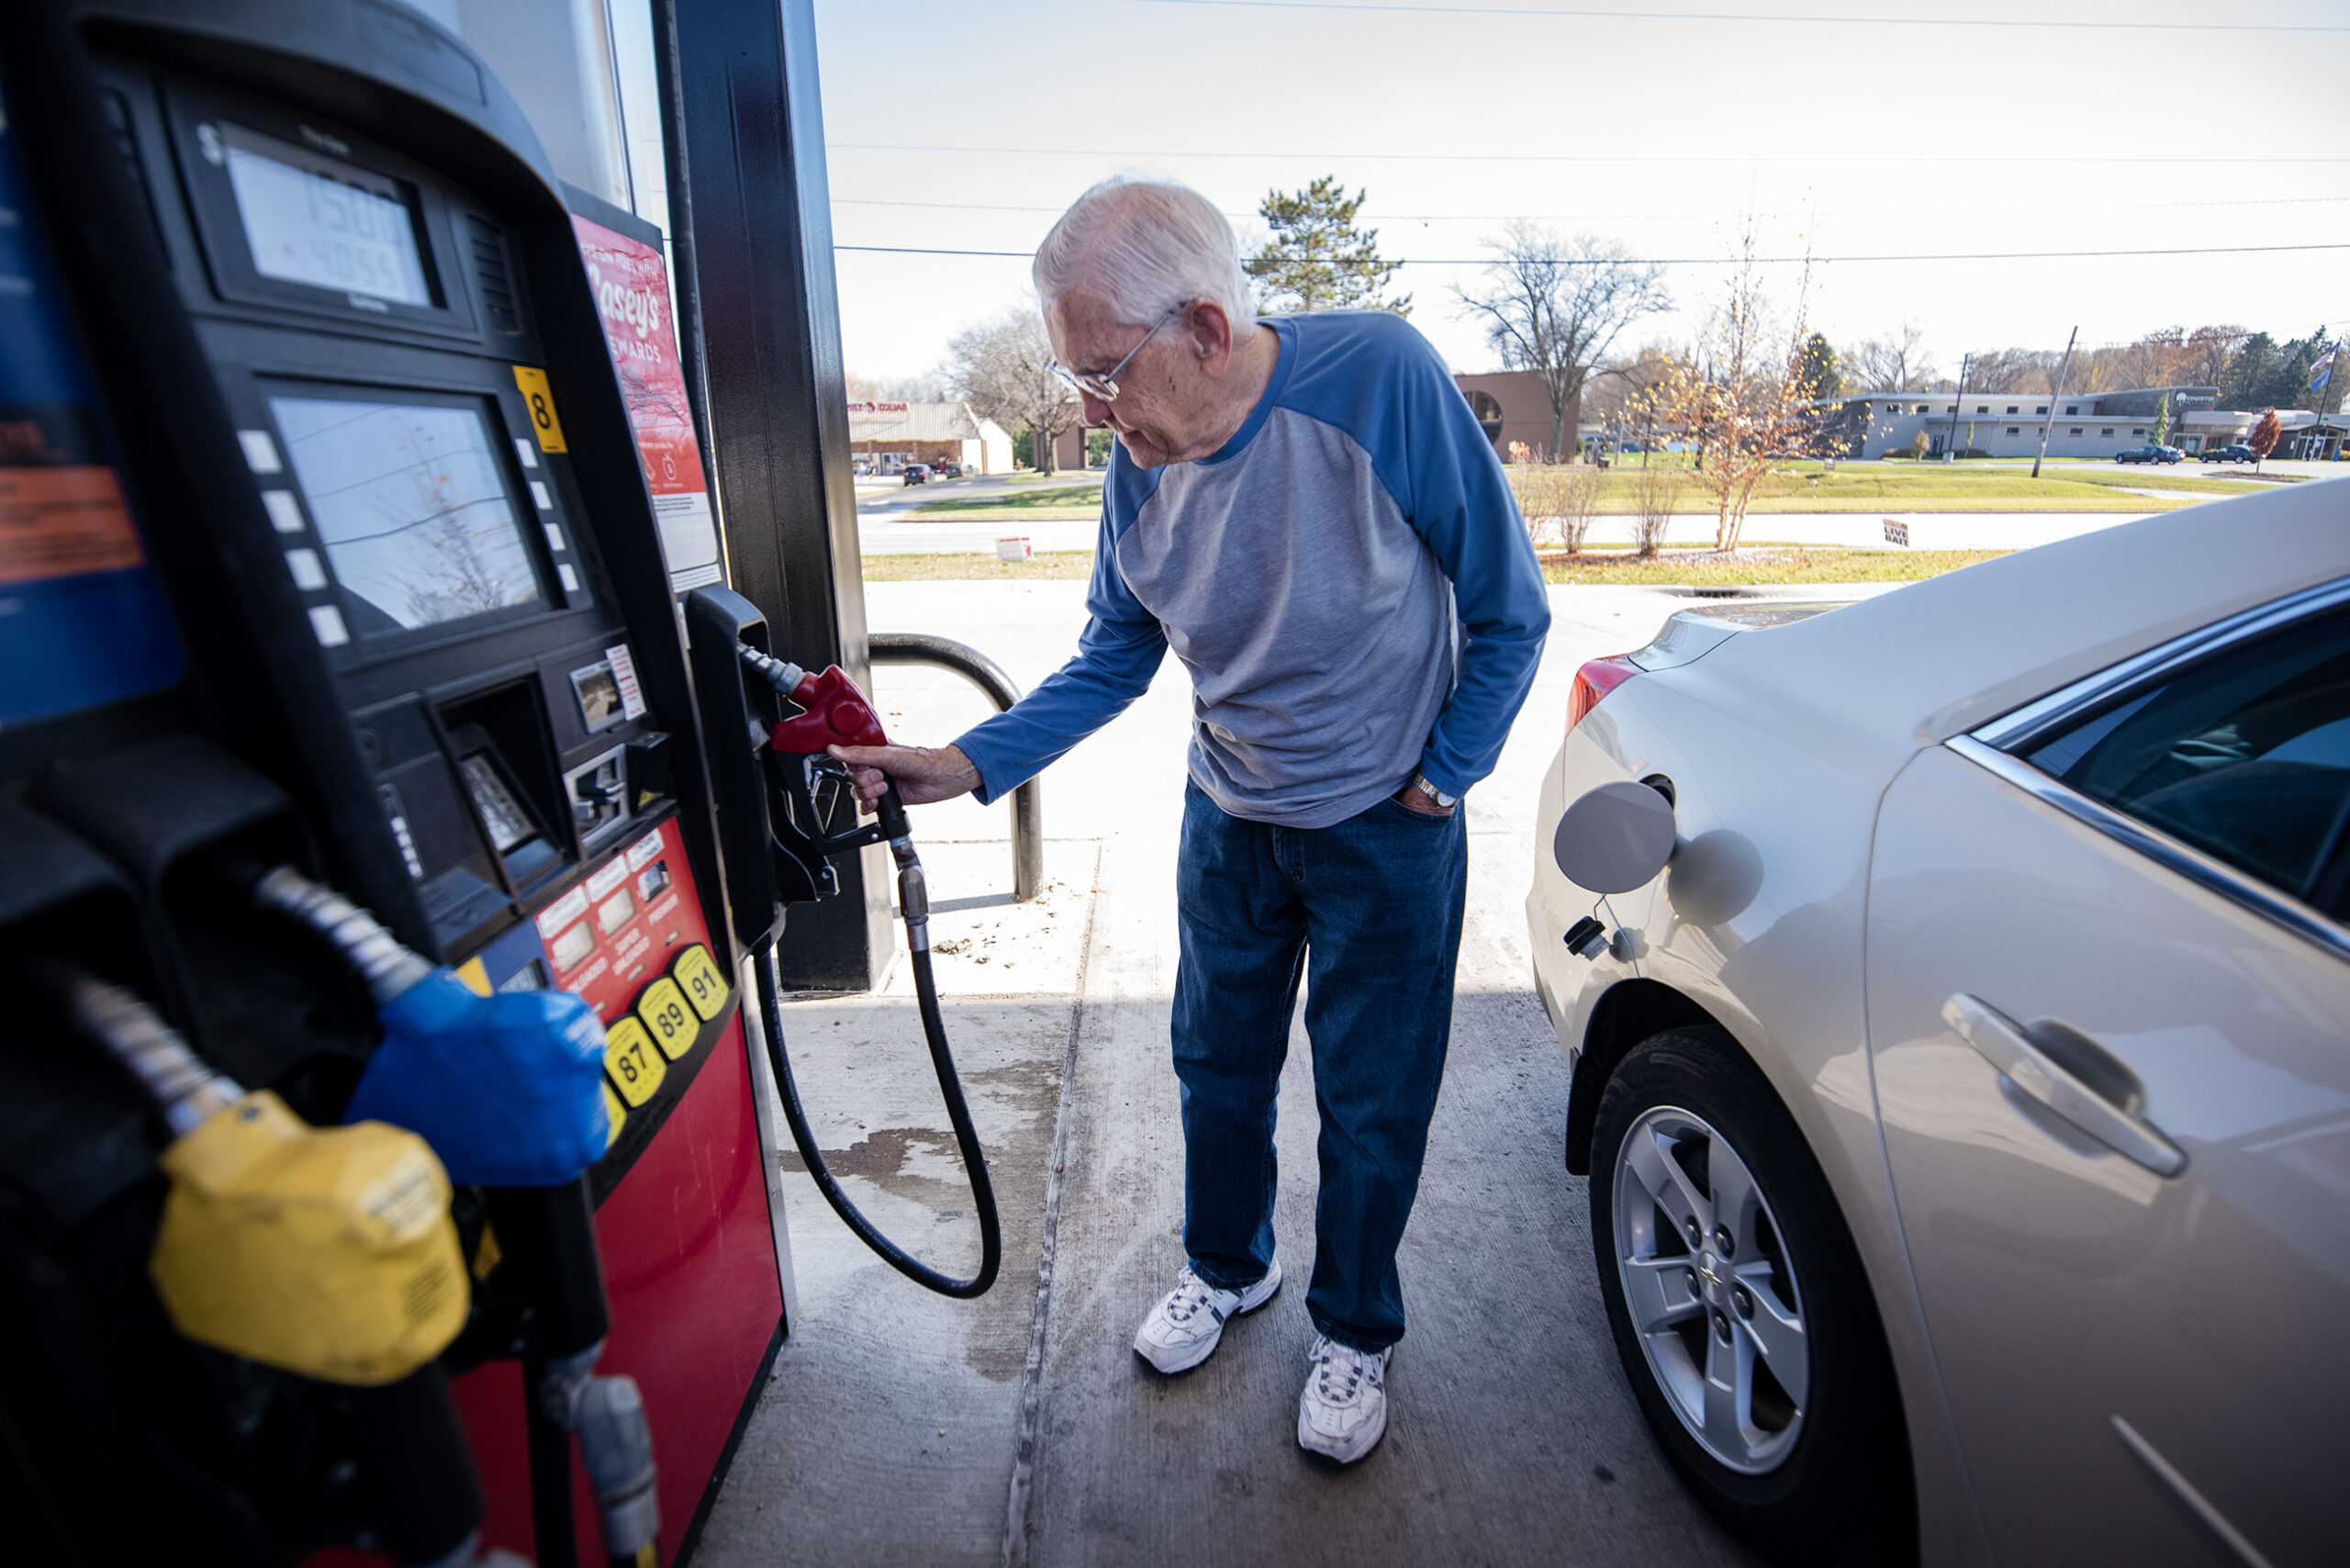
{"x":1370,"y":909}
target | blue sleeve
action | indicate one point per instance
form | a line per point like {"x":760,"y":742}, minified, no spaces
{"x":1119,"y":651}
{"x":1460,"y":500}
{"x":1436,"y":461}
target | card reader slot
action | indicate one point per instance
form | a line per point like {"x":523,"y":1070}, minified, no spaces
{"x":505,"y":755}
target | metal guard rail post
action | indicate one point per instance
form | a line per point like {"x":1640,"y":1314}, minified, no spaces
{"x":1028,"y":800}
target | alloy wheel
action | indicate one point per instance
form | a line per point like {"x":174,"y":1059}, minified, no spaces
{"x":1706,"y":1282}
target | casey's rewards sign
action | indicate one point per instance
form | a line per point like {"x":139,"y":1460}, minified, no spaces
{"x":631,"y":284}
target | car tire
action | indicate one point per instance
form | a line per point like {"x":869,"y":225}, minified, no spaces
{"x":1818,"y":1475}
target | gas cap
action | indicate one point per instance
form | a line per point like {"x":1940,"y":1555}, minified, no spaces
{"x":1617,"y":836}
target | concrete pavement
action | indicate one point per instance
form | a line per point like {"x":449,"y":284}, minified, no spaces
{"x":902,"y":1427}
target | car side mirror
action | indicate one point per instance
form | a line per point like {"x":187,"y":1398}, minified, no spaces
{"x":1615,"y":837}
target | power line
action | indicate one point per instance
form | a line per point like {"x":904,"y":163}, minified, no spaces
{"x":1613,"y":159}
{"x":1546,"y":12}
{"x":1613,"y":217}
{"x":1713,"y":261}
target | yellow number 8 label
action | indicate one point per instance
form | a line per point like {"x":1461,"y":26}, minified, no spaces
{"x":697,"y":973}
{"x":532,"y":384}
{"x":636,"y":1069}
{"x":663,"y":1008}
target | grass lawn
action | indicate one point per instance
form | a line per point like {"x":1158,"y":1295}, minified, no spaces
{"x":1677,"y":566}
{"x":1900,"y":487}
{"x":1034,"y":504}
{"x":1973,"y":486}
{"x":1048,"y":566}
{"x":1755,"y":566}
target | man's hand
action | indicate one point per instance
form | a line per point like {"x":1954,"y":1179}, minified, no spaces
{"x":1411,"y":798}
{"x":921,"y":774}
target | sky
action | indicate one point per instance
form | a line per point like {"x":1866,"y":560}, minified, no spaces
{"x":1851,"y":131}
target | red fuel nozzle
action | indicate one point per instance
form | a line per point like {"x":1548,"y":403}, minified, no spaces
{"x":837,"y":714}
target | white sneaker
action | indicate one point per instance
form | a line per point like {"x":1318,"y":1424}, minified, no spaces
{"x":1343,"y":1412}
{"x":1183,"y":1330}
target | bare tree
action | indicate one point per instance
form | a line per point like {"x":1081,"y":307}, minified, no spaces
{"x":2209,"y":349}
{"x":2012,"y":370}
{"x":1898,"y":362}
{"x":2168,"y":356}
{"x":1554,"y":305}
{"x":1003,"y":369}
{"x":1616,"y":391}
{"x":1745,"y":397}
{"x":928,"y":387}
{"x":2155,"y":360}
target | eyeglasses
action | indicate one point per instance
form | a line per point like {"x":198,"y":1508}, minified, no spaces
{"x":1103,"y":386}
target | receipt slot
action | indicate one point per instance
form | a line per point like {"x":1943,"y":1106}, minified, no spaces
{"x":359,"y":380}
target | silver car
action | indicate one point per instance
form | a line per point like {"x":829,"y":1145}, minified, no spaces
{"x":1958,"y":1001}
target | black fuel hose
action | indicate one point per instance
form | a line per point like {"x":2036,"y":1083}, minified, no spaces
{"x":914,"y":901}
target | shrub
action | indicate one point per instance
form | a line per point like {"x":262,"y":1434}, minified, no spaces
{"x":1655,"y":492}
{"x":1557,"y":499}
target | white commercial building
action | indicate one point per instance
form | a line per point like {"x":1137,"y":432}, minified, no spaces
{"x":2008,"y":424}
{"x":891,"y":435}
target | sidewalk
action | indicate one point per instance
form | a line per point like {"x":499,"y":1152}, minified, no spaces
{"x":904,"y":1427}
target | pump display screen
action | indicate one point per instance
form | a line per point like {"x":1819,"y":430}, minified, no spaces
{"x":317,"y":220}
{"x":411,"y":507}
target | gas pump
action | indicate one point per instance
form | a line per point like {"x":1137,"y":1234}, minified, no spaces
{"x":363,"y":761}
{"x":228,"y":1311}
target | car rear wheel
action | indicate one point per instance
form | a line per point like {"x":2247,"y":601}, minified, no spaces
{"x":1739,"y":1309}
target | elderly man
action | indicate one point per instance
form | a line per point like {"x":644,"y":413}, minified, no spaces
{"x":1306,"y":512}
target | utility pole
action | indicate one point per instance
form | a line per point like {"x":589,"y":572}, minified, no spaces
{"x":2056,"y":392}
{"x":2317,"y":431}
{"x":1950,"y":447}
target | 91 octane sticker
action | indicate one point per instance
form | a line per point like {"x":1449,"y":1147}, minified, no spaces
{"x":698,"y":976}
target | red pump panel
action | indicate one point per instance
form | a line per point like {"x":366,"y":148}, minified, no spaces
{"x":690,"y":1261}
{"x":689,"y":1246}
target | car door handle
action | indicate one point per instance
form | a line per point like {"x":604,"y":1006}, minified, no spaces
{"x":2003,"y":1043}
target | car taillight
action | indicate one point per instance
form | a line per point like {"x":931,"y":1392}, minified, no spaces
{"x":1594,"y":681}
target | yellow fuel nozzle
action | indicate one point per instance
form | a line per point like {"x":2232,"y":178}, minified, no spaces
{"x":327,"y":1251}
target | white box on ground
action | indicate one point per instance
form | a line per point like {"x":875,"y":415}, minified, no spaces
{"x":1015,"y":549}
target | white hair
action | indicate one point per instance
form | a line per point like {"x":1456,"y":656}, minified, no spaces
{"x":1144,"y":247}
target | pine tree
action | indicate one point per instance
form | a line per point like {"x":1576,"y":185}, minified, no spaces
{"x":1318,"y":259}
{"x":1818,"y":369}
{"x":2289,"y":382}
{"x":2249,"y":370}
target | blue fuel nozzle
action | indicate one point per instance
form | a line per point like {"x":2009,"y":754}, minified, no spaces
{"x":507,"y":1088}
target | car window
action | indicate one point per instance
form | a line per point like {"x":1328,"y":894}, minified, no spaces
{"x":2246,"y":756}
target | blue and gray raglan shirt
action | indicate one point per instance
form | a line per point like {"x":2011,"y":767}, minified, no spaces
{"x":1347,"y":581}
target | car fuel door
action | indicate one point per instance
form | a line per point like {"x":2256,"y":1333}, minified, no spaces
{"x":2115,"y":1094}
